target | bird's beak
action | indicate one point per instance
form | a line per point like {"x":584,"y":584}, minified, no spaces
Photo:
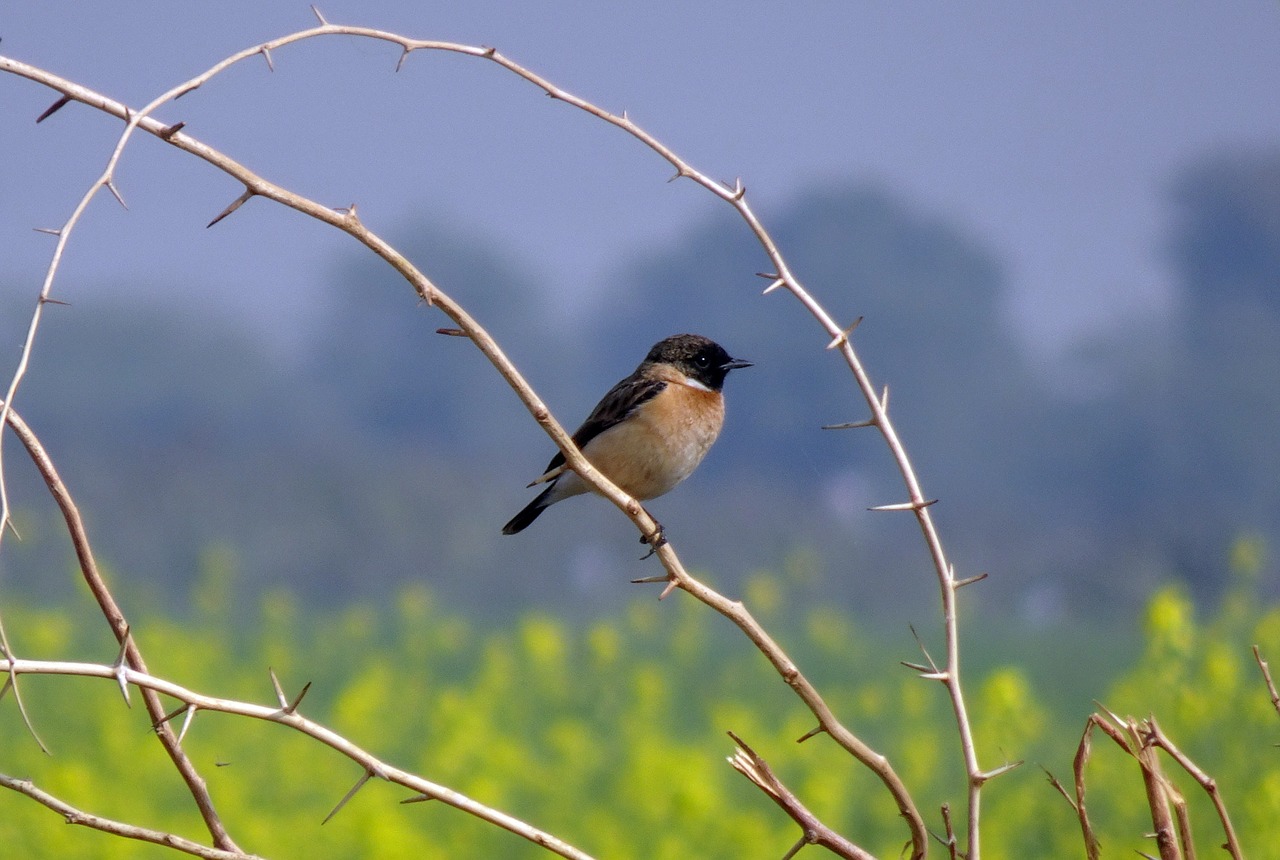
{"x":735,"y":364}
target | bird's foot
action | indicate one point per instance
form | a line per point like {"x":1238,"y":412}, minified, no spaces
{"x":655,"y":540}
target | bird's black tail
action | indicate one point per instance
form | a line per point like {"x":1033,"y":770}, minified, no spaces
{"x":530,"y":513}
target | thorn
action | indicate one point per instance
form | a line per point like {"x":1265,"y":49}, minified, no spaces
{"x":933,"y":665}
{"x":167,"y":717}
{"x":644,"y":580}
{"x":323,"y":23}
{"x":454,"y":332}
{"x":917,"y":667}
{"x":293,"y":706}
{"x":275,"y":682}
{"x":418,"y":798}
{"x":1000,"y":771}
{"x":124,"y":684}
{"x":52,"y":231}
{"x":813,"y":732}
{"x":671,"y":586}
{"x":186,"y":724}
{"x":266,"y":55}
{"x":768,"y":276}
{"x":884,"y":400}
{"x":843,"y":337}
{"x":48,"y":300}
{"x":111,"y":186}
{"x":119,"y":665}
{"x":851,"y":425}
{"x":12,"y":681}
{"x":739,"y":190}
{"x":625,"y":118}
{"x":235,"y":204}
{"x":904,"y":506}
{"x":364,"y":777}
{"x":680,"y":173}
{"x":780,"y":282}
{"x":490,"y":52}
{"x":970,"y":581}
{"x":53,"y":108}
{"x":404,"y":55}
{"x":172,"y":130}
{"x":934,"y":676}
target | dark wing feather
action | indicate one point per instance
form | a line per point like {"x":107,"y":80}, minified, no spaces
{"x":622,"y":400}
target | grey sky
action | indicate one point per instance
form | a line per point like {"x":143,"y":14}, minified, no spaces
{"x":1050,"y":129}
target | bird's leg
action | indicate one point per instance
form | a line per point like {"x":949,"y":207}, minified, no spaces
{"x":655,"y":540}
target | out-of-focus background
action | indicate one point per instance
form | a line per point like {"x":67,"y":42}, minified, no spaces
{"x":1060,"y":220}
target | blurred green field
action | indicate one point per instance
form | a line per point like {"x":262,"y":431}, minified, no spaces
{"x":612,"y":734}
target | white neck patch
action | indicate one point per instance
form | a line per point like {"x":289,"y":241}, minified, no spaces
{"x":693,"y":383}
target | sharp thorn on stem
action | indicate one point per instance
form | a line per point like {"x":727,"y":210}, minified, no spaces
{"x":364,"y":777}
{"x":111,"y":186}
{"x":266,"y":55}
{"x":297,"y":700}
{"x":971,"y":580}
{"x":851,"y":425}
{"x":186,"y":723}
{"x":172,"y":130}
{"x":52,"y":231}
{"x":275,"y":683}
{"x":235,"y":204}
{"x":54,"y":108}
{"x":319,"y":17}
{"x":813,"y":732}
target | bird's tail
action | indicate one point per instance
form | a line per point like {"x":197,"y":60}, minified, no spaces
{"x":530,"y":513}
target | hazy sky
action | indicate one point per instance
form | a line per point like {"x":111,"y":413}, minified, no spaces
{"x":1049,"y":129}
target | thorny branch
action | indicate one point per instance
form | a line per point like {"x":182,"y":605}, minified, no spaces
{"x":72,"y":815}
{"x":748,"y":762}
{"x":372,"y":765}
{"x":782,"y":278}
{"x":1142,"y":739}
{"x":119,"y":626}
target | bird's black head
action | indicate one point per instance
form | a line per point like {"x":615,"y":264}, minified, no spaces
{"x":697,"y":357}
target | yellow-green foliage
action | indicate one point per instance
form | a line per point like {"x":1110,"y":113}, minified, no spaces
{"x":612,"y":735}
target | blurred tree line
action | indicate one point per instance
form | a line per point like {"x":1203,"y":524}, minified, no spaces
{"x":381,"y":454}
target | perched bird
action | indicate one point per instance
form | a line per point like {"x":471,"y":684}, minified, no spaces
{"x":651,"y":430}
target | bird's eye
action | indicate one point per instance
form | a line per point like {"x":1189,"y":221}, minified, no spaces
{"x":702,"y":360}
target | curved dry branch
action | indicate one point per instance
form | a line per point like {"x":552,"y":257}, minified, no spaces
{"x":289,"y":716}
{"x":119,"y":626}
{"x":72,"y":815}
{"x":678,"y":577}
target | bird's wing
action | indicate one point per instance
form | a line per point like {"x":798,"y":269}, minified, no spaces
{"x":622,"y":400}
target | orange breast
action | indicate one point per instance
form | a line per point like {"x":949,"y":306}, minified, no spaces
{"x":661,"y":444}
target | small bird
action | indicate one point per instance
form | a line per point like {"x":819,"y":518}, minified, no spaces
{"x":651,"y":430}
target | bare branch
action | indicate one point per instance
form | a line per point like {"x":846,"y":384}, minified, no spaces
{"x":330,"y":738}
{"x":747,"y":762}
{"x":1266,"y":676}
{"x":1159,"y":739}
{"x":130,"y":656}
{"x":73,"y":815}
